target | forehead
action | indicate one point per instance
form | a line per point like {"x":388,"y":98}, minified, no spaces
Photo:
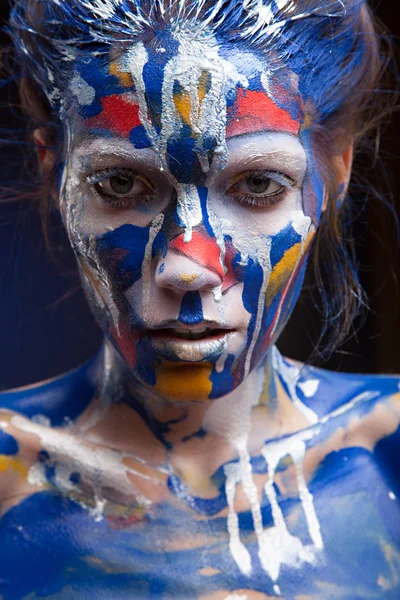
{"x":184,"y":98}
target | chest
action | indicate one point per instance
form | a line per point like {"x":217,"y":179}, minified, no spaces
{"x":338,"y":537}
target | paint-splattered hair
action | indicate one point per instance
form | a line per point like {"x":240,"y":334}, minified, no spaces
{"x":331,"y":45}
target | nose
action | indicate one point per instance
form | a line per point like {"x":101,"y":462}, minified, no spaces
{"x":190,"y":266}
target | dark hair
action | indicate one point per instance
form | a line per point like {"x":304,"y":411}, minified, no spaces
{"x":333,"y":46}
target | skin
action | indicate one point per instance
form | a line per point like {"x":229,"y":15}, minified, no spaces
{"x":179,"y":468}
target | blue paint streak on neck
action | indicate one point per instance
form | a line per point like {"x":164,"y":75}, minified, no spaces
{"x":191,"y":311}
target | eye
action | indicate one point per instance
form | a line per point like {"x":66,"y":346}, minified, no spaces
{"x":260,"y":188}
{"x":121,"y":187}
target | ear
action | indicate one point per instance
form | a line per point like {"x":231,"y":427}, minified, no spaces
{"x":343,"y":164}
{"x":45,"y":155}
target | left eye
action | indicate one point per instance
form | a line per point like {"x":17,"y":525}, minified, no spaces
{"x":261,"y":185}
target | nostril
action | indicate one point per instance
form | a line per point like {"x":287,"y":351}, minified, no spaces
{"x":191,"y":311}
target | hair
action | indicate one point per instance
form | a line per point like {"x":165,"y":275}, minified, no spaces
{"x":332,"y":45}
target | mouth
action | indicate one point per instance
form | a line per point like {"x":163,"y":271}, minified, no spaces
{"x":191,"y":344}
{"x":189,"y":333}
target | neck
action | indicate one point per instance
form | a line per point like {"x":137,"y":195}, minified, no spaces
{"x":261,"y":408}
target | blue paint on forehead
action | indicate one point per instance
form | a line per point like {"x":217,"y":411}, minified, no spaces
{"x":95,"y":72}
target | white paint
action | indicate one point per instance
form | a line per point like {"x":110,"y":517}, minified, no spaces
{"x":280,"y":546}
{"x":237,"y":597}
{"x":238,"y":550}
{"x":291,"y":375}
{"x":309,"y":387}
{"x":392,"y":496}
{"x":263,"y":256}
{"x":100,"y":468}
{"x":277,"y":590}
{"x":155,"y":227}
{"x":364,"y":397}
{"x":84,"y":93}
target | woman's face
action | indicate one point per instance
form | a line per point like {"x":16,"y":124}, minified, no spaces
{"x":190,"y":197}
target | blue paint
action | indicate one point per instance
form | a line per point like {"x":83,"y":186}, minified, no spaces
{"x":203,"y":196}
{"x":128,"y":237}
{"x":102,"y":561}
{"x":223,"y":382}
{"x":8,"y":444}
{"x":61,"y":400}
{"x":139,"y":137}
{"x":191,"y":311}
{"x":75,"y":478}
{"x":283,"y":241}
{"x":202,"y":506}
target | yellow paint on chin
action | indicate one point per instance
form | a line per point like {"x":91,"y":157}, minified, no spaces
{"x":9,"y":463}
{"x":184,"y":381}
{"x":282,"y":272}
{"x":188,"y":278}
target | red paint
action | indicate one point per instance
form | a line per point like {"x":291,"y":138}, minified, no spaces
{"x":125,"y":340}
{"x":202,"y":248}
{"x":254,"y":111}
{"x":119,"y":115}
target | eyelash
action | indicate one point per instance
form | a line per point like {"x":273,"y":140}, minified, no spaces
{"x":114,"y":201}
{"x":287,"y":184}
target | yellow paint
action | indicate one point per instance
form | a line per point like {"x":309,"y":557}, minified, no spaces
{"x":183,"y":106}
{"x":125,"y":79}
{"x":183,"y":103}
{"x":188,"y":278}
{"x":8,"y":463}
{"x":283,"y":270}
{"x":184,"y":381}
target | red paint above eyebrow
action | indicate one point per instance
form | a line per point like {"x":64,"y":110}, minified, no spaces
{"x":254,"y":111}
{"x":118,"y":115}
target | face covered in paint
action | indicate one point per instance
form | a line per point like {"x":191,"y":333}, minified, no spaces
{"x":189,"y":198}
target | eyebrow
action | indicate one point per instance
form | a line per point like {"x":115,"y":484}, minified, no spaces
{"x":102,"y":150}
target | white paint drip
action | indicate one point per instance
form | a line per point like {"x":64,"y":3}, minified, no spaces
{"x":155,"y":227}
{"x":276,"y":545}
{"x":238,"y":550}
{"x":281,"y":547}
{"x":392,"y":496}
{"x":264,"y":260}
{"x":291,"y":375}
{"x":309,"y":387}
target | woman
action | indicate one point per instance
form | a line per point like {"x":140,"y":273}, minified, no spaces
{"x":197,"y":152}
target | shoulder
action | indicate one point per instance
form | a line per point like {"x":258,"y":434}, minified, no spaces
{"x":59,"y":400}
{"x":328,"y":392}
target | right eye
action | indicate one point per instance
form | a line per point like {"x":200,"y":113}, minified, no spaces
{"x":121,"y":187}
{"x":121,"y":182}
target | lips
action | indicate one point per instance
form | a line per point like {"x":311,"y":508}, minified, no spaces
{"x":191,"y":344}
{"x":187,"y":334}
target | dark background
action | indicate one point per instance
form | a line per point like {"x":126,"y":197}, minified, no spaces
{"x":46,"y":327}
